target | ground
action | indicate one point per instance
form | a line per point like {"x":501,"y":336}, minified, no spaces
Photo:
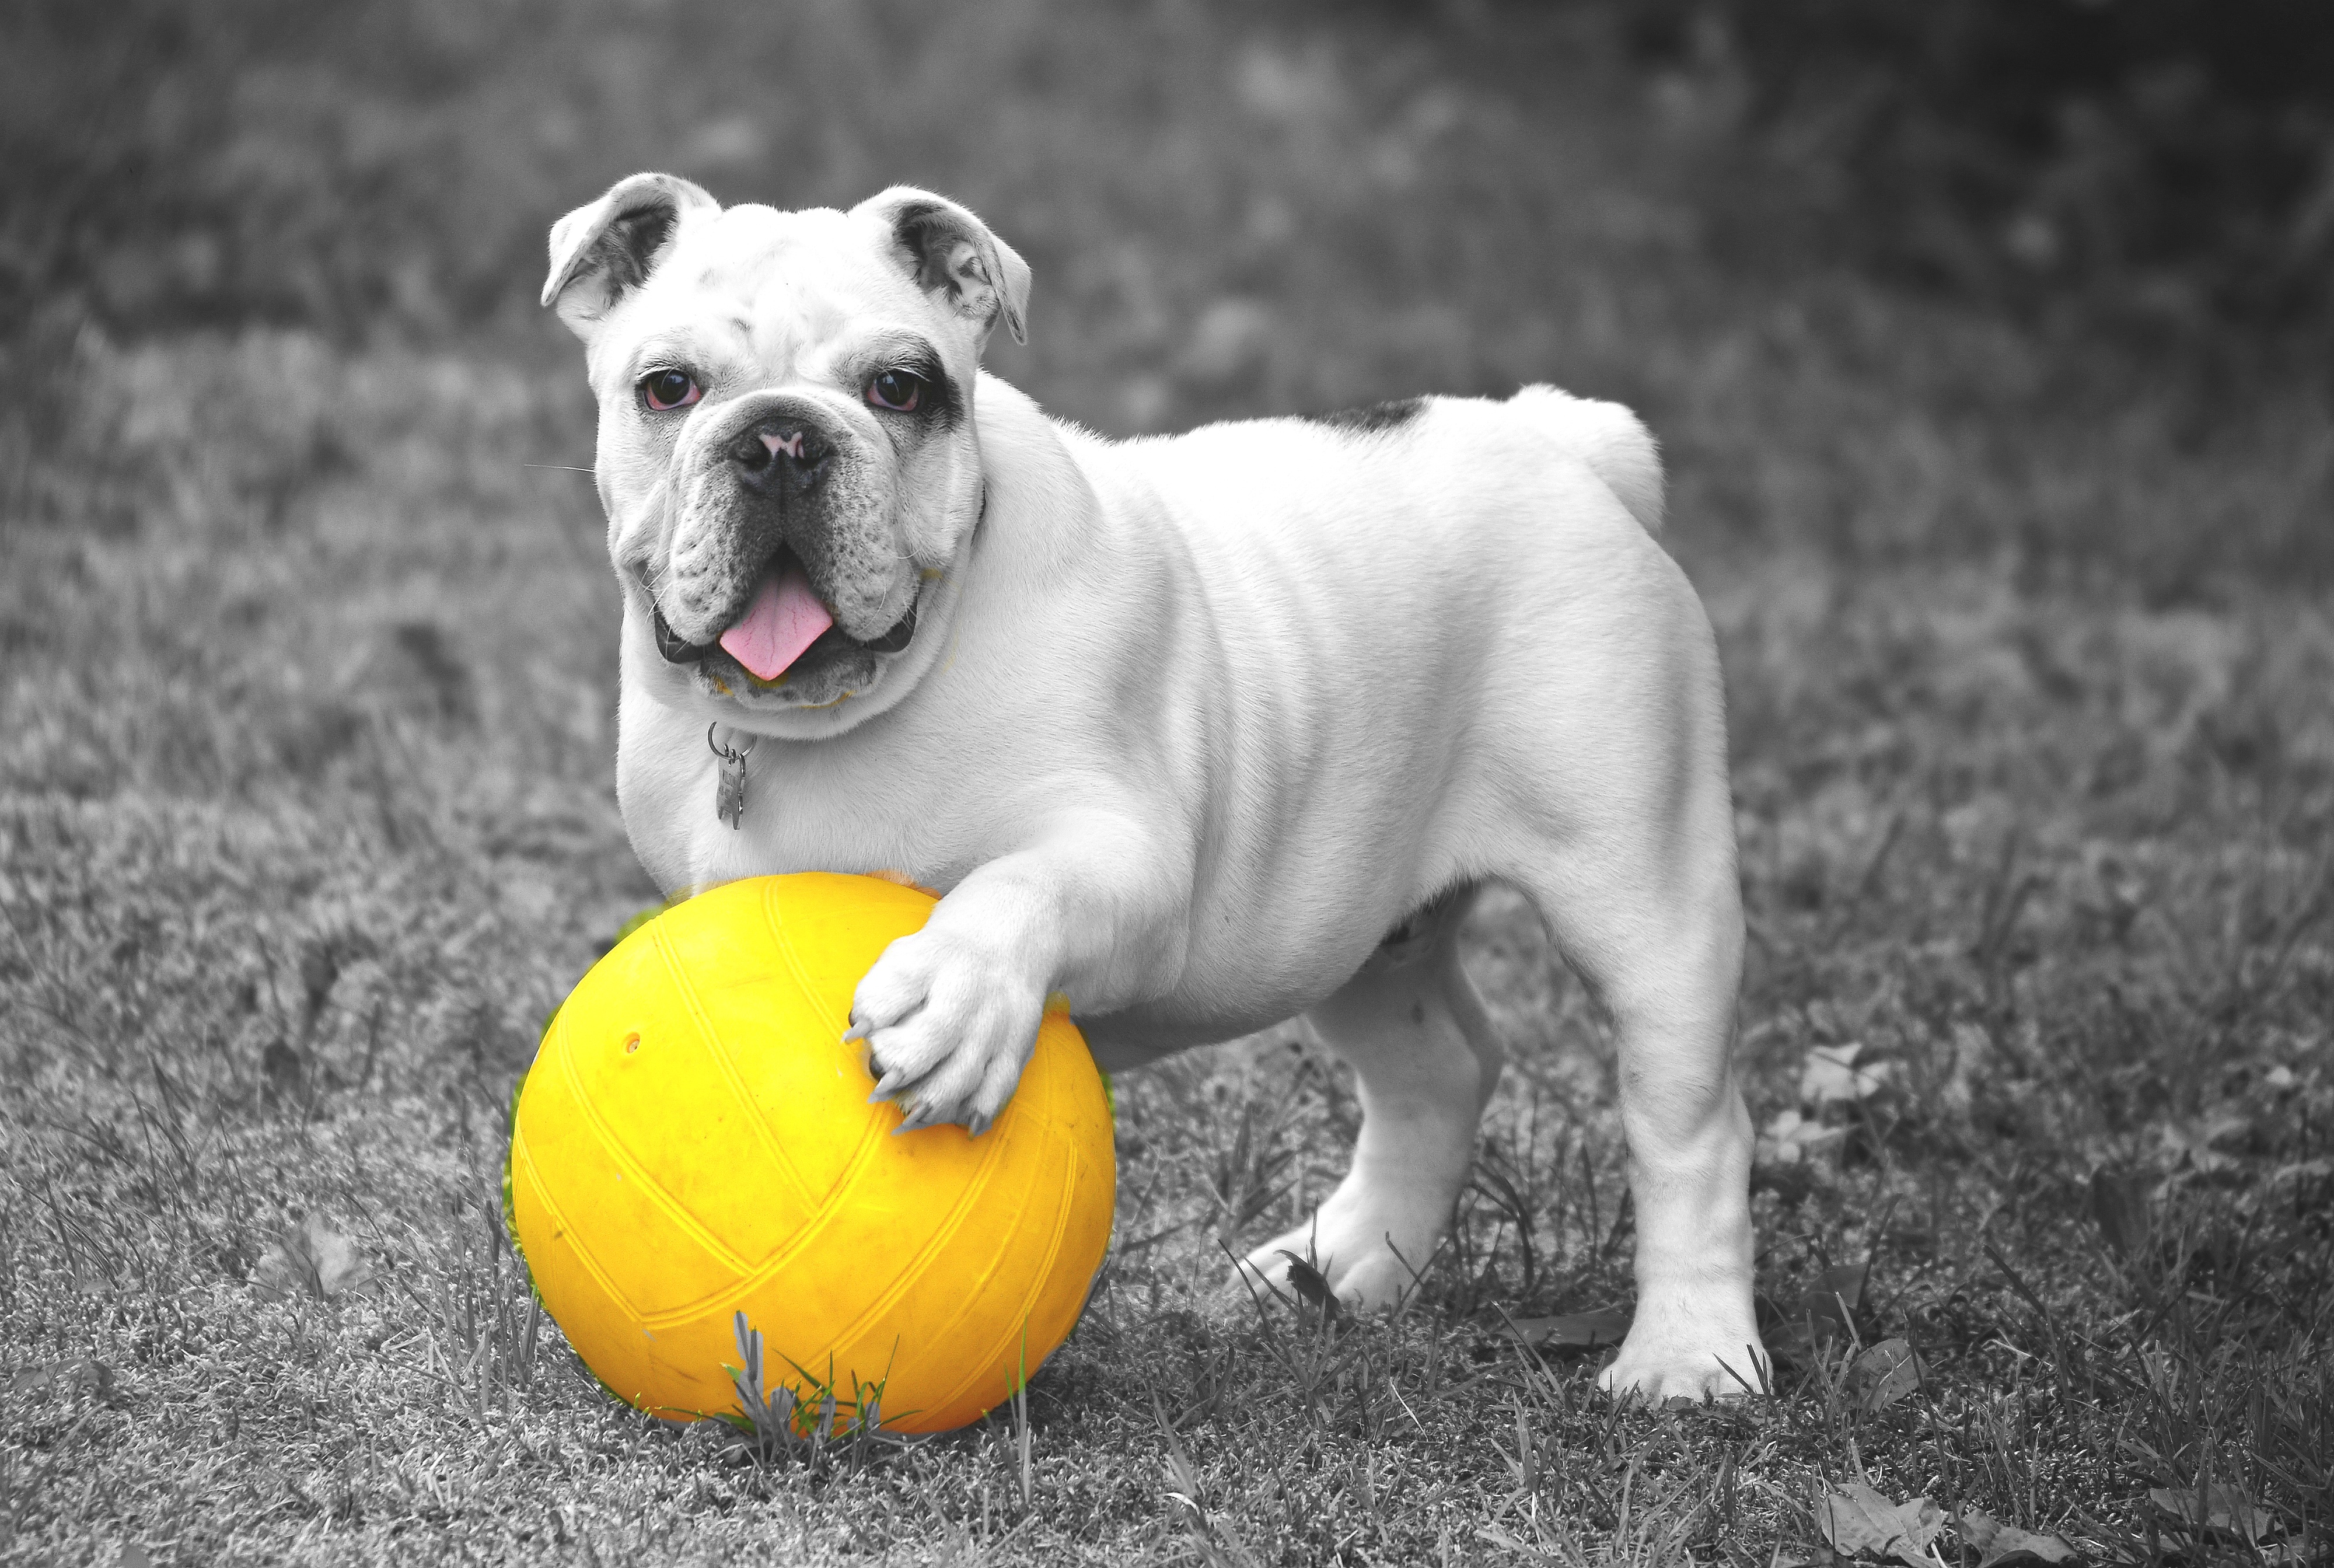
{"x":307,"y":819}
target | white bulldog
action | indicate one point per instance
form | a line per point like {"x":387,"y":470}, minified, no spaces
{"x":1204,"y":732}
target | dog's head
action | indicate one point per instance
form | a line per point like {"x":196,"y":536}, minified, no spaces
{"x":786,"y":453}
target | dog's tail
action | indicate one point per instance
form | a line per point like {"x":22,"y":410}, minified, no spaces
{"x":1609,"y":439}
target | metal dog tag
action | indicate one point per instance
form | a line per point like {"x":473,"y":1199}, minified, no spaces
{"x":729,"y":785}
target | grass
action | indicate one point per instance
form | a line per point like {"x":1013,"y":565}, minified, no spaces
{"x":306,"y":680}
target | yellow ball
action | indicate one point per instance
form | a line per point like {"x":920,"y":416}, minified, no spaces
{"x":695,"y":1140}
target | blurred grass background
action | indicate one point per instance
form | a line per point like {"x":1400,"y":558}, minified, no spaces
{"x":2008,"y":280}
{"x":1989,"y":350}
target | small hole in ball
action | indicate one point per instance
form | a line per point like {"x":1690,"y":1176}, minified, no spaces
{"x":631,"y":1044}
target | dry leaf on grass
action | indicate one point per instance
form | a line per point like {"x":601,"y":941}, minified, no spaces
{"x":1859,"y":1522}
{"x":2301,"y":1170}
{"x":1310,"y":1283}
{"x":2194,"y":1141}
{"x":1839,"y":1289}
{"x":1575,"y":1331}
{"x":83,"y":1372}
{"x":2120,"y":1204}
{"x":313,"y":1258}
{"x":1886,"y":1373}
{"x":2217,"y":1507}
{"x":1996,"y":1541}
{"x":1791,"y":1137}
{"x":1825,"y":1315}
{"x":1832,"y":1075}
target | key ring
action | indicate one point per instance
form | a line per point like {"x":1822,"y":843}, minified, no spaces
{"x":726,"y":753}
{"x":729,"y":778}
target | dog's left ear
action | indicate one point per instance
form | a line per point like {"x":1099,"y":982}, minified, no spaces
{"x":602,"y":251}
{"x":951,"y":254}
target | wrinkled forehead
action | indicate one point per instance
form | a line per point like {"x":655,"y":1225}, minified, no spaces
{"x":781,"y":285}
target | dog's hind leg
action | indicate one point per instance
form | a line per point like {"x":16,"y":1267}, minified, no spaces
{"x":1425,"y":1059}
{"x":1636,"y":882}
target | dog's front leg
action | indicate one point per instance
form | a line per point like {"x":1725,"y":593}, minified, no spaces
{"x":950,"y":1013}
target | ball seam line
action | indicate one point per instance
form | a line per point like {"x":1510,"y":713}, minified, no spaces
{"x":1074,"y":1167}
{"x":687,"y":1223}
{"x":909,"y":1271}
{"x":709,"y":1039}
{"x":1018,"y":1328}
{"x":774,"y":918}
{"x":971,"y":1298}
{"x":522,"y":1157}
{"x":750,"y":1277}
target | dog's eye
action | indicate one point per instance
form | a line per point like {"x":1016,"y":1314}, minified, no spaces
{"x":897,"y":390}
{"x":666,"y":390}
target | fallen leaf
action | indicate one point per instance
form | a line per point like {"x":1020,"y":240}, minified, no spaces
{"x":1791,"y":1183}
{"x":1839,"y":1286}
{"x":1860,"y":1522}
{"x":1995,"y":1542}
{"x":1886,"y":1373}
{"x":313,"y":1258}
{"x":1791,"y":1137}
{"x":1830,"y":1075}
{"x":2193,"y":1140}
{"x":283,"y":1067}
{"x":81,"y":1373}
{"x":1822,"y":1317}
{"x":1575,"y":1331}
{"x":2119,"y":1205}
{"x":1310,"y":1283}
{"x":1973,"y":1062}
{"x":1830,"y":1303}
{"x":2218,"y":1508}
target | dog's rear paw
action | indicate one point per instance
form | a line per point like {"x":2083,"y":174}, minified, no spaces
{"x":1361,"y":1273}
{"x":1657,"y":1368}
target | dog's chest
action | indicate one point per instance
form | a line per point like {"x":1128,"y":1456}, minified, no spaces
{"x":697,"y":816}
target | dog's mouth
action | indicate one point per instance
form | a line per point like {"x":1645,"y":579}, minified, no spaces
{"x":785,"y":630}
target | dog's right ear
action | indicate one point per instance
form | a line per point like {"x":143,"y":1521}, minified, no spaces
{"x":601,"y":251}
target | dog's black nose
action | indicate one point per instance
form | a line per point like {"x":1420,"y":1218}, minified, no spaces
{"x":780,"y":454}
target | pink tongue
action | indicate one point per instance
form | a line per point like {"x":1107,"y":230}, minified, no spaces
{"x":785,"y":618}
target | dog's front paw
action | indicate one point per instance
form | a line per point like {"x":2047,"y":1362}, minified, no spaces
{"x":949,"y":1025}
